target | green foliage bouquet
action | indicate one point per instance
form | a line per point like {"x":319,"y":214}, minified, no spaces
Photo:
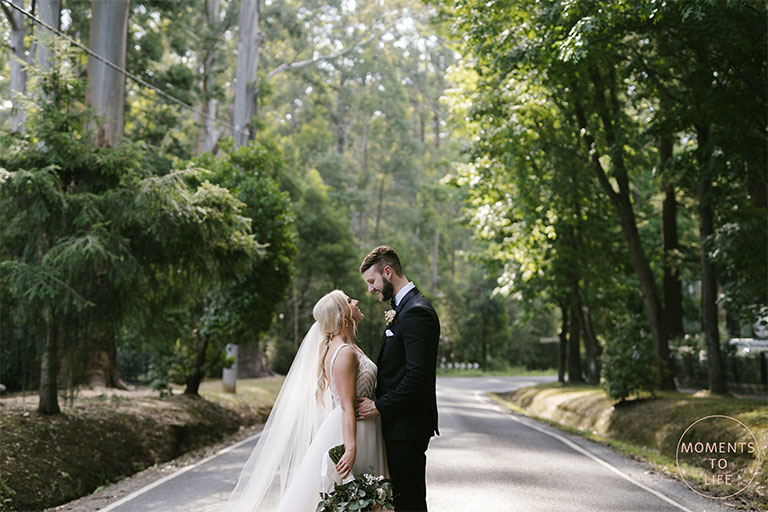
{"x":366,"y":493}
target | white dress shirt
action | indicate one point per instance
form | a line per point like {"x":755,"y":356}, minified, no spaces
{"x":405,"y":289}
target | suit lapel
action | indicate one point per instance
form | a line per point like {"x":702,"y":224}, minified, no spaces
{"x":408,"y":296}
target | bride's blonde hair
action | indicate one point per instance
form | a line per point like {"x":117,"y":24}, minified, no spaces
{"x":334,"y":314}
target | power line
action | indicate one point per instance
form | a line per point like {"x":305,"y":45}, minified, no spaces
{"x":117,"y":68}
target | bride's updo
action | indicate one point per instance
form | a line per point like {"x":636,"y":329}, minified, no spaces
{"x":334,"y":315}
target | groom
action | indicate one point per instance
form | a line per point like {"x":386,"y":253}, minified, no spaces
{"x":405,"y":388}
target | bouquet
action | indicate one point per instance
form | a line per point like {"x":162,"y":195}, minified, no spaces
{"x":366,"y":493}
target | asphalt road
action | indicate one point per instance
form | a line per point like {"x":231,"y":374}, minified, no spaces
{"x":485,"y":460}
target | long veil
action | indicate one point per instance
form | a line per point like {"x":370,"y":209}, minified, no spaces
{"x":287,"y":435}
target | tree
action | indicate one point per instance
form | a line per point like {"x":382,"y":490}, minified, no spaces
{"x":485,"y":327}
{"x":249,"y":302}
{"x":106,"y":86}
{"x":610,"y":71}
{"x":49,"y":12}
{"x":101,"y":226}
{"x":250,"y":39}
{"x":18,"y":59}
{"x":695,"y":43}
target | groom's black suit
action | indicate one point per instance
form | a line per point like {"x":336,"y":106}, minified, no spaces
{"x":405,"y":392}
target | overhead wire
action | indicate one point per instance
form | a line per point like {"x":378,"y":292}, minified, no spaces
{"x":119,"y":69}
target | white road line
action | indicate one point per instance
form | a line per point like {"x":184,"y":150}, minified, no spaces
{"x":151,"y":486}
{"x":584,"y":452}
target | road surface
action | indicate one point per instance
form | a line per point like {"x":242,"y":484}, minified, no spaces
{"x":485,"y":460}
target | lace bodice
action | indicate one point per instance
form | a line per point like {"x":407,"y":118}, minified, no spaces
{"x":365,"y":383}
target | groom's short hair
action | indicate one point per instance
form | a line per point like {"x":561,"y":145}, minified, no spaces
{"x":382,"y":256}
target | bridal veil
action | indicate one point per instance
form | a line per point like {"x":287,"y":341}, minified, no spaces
{"x":295,"y":419}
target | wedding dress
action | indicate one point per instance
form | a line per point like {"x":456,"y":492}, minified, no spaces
{"x":303,"y":493}
{"x":290,"y":465}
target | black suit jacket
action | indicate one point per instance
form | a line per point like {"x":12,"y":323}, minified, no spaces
{"x":405,"y":388}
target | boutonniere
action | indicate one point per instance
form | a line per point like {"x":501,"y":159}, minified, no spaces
{"x":390,"y":315}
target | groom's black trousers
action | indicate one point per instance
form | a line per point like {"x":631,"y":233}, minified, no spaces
{"x":407,"y":461}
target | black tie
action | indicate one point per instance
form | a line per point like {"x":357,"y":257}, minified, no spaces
{"x":392,"y":303}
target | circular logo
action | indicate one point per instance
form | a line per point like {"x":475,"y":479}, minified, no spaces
{"x":721,"y":452}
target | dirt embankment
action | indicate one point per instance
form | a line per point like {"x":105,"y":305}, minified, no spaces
{"x":49,"y":460}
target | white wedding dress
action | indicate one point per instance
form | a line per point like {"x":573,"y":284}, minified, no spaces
{"x":317,"y":472}
{"x":290,"y":465}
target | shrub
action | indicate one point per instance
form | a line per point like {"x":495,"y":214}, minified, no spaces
{"x":629,"y":364}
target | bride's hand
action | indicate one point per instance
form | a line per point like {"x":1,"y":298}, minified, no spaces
{"x":346,"y":462}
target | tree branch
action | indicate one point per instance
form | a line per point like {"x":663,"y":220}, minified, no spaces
{"x":591,"y":147}
{"x":9,"y":15}
{"x":290,"y":66}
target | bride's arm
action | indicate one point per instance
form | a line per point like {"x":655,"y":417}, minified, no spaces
{"x":344,"y":376}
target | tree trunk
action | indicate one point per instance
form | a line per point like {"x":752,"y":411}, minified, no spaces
{"x":583,"y":319}
{"x":578,"y":325}
{"x":198,"y":373}
{"x":106,"y":87}
{"x":17,"y":62}
{"x":484,"y":343}
{"x":732,"y":324}
{"x":49,"y":368}
{"x":101,"y":364}
{"x":364,"y":178}
{"x":248,"y":48}
{"x":673,"y":288}
{"x":210,"y":66}
{"x":341,"y":121}
{"x":379,"y":210}
{"x":437,"y":128}
{"x":435,"y":255}
{"x":757,"y":188}
{"x":708,"y":276}
{"x":574,"y":352}
{"x":49,"y":11}
{"x":251,"y":363}
{"x":296,"y":339}
{"x":563,"y":347}
{"x":623,"y":204}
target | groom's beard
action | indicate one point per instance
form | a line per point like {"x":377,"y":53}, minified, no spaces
{"x":387,"y":290}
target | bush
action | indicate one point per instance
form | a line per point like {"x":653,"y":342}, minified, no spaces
{"x":281,"y":356}
{"x":629,"y":364}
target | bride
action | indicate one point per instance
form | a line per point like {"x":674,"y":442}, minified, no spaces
{"x":315,"y":411}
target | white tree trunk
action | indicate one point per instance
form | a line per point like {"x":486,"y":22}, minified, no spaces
{"x":248,"y":47}
{"x":211,"y":135}
{"x":18,"y":74}
{"x":49,"y":11}
{"x":106,"y":87}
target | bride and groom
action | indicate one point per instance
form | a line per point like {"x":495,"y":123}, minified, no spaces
{"x":384,"y":414}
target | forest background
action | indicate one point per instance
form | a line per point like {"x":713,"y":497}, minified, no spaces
{"x":592,"y":173}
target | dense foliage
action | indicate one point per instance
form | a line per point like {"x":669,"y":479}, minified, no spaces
{"x":586,"y":121}
{"x":591,"y":173}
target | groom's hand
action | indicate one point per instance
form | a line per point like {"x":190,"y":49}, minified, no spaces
{"x":366,"y":409}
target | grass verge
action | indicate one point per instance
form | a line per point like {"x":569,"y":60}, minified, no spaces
{"x":49,"y":460}
{"x":512,"y":371}
{"x":647,"y":429}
